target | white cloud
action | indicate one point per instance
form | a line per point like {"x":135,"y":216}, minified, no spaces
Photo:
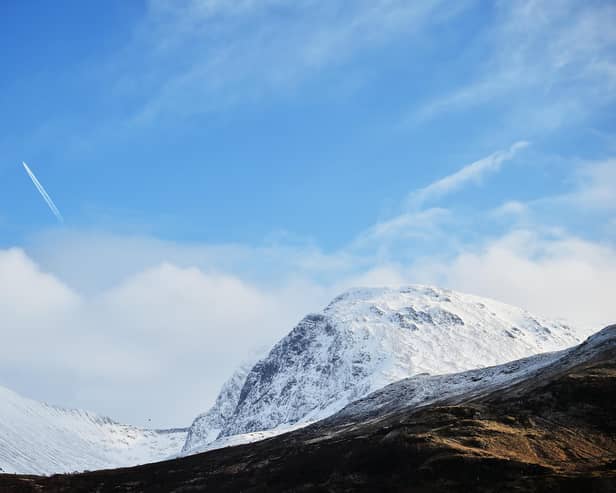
{"x":554,"y":275}
{"x":163,"y":335}
{"x":27,"y":292}
{"x":471,"y":173}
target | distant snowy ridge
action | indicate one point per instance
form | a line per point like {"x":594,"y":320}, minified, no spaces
{"x":37,"y":438}
{"x":364,"y":340}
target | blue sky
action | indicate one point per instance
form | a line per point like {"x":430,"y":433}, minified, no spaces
{"x":219,"y":132}
{"x":288,"y":150}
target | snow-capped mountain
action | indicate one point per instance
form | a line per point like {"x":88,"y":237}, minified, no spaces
{"x":37,"y":438}
{"x":364,"y":340}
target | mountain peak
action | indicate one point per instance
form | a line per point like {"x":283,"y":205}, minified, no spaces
{"x":367,"y":338}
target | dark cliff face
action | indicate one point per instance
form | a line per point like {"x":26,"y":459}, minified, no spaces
{"x":554,"y":431}
{"x":291,"y":380}
{"x":295,"y":346}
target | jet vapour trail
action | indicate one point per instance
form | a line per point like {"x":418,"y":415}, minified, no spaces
{"x":43,"y":193}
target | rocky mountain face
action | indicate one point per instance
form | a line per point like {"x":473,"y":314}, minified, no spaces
{"x":544,"y":424}
{"x":364,"y":340}
{"x":37,"y":438}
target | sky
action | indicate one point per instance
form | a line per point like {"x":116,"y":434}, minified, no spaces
{"x":224,"y":167}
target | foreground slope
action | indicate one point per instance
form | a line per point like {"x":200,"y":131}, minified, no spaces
{"x":41,"y":439}
{"x":365,"y":339}
{"x":550,"y":427}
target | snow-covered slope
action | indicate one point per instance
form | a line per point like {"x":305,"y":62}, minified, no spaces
{"x":368,"y":338}
{"x":422,"y":390}
{"x":36,"y":438}
{"x":207,"y":426}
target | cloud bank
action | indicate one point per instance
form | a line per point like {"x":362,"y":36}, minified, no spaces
{"x":159,"y":342}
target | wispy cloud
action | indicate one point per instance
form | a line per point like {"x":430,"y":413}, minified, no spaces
{"x":471,"y":173}
{"x":560,"y":54}
{"x":419,"y":222}
{"x":207,"y":54}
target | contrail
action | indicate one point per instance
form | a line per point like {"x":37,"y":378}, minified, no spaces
{"x":44,"y":194}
